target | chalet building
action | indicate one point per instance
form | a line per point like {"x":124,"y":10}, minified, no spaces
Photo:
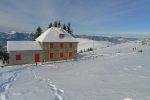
{"x":53,"y":44}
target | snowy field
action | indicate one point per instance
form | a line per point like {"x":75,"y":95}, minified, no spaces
{"x":84,"y":44}
{"x":113,"y":73}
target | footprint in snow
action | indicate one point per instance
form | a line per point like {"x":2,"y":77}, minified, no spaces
{"x":127,"y":99}
{"x":126,"y":69}
{"x":139,"y":66}
{"x":57,"y":92}
{"x":52,"y":87}
{"x":58,"y":97}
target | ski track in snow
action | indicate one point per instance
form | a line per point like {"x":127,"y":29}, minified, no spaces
{"x":58,"y":93}
{"x":4,"y":86}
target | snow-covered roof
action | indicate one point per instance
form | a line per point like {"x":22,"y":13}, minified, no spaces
{"x":52,"y":35}
{"x":23,"y":45}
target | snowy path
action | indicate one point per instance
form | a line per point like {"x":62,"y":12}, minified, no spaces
{"x":7,"y":82}
{"x":9,"y":78}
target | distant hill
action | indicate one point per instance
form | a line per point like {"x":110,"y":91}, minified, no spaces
{"x":28,"y":36}
{"x":105,"y":38}
{"x":14,"y":36}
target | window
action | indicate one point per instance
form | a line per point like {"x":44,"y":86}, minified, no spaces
{"x":70,"y":54}
{"x":61,"y":36}
{"x":51,"y":55}
{"x":51,"y":45}
{"x":61,"y":45}
{"x":18,"y":57}
{"x":70,"y":45}
{"x":61,"y":55}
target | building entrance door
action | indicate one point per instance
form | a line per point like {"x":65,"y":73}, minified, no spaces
{"x":37,"y":57}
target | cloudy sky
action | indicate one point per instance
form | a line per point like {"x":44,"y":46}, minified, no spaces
{"x":84,"y":15}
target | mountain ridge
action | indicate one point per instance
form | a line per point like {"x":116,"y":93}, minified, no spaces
{"x":14,"y":36}
{"x":28,"y":36}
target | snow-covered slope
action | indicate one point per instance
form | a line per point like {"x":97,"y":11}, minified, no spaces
{"x":84,"y":44}
{"x":109,"y":38}
{"x":112,"y":73}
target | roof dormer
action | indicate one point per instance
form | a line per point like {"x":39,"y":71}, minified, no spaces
{"x":61,"y":35}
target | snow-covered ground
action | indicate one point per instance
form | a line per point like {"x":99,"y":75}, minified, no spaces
{"x":1,"y":62}
{"x":112,"y":73}
{"x":84,"y":44}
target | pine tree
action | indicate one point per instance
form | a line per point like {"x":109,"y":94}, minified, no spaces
{"x":6,"y":55}
{"x":69,"y":30}
{"x":59,"y":23}
{"x":38,"y":32}
{"x":50,"y":25}
{"x":55,"y":24}
{"x":64,"y":27}
{"x":69,"y":24}
{"x":1,"y":53}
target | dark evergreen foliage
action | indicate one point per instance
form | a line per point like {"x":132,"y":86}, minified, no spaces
{"x":69,"y":30}
{"x":59,"y":23}
{"x":64,"y":27}
{"x":50,"y":25}
{"x":38,"y":32}
{"x":1,"y":53}
{"x":55,"y":24}
{"x":4,"y":55}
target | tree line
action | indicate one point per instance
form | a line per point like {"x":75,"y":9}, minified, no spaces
{"x":66,"y":27}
